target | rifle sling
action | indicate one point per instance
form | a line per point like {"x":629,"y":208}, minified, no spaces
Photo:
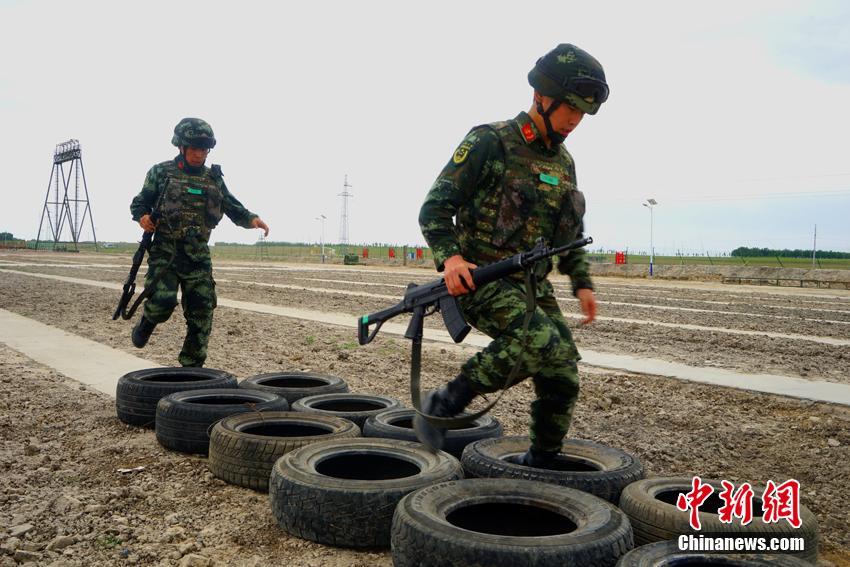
{"x":458,"y":422}
{"x":128,"y":313}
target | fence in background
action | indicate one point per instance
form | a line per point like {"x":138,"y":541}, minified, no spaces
{"x":401,"y":254}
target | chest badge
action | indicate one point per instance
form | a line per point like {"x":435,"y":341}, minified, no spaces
{"x":549,"y":179}
{"x":194,"y":191}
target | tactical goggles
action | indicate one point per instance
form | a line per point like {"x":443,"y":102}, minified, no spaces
{"x":588,"y":87}
{"x":200,"y":142}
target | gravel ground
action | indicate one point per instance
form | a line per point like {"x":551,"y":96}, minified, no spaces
{"x":62,"y":445}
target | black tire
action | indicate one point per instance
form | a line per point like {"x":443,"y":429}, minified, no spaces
{"x":139,"y":391}
{"x":295,"y":385}
{"x":667,"y":554}
{"x":584,"y":465}
{"x":507,"y":522}
{"x":355,"y":407}
{"x":244,"y":447}
{"x":651,"y":507}
{"x":184,"y":419}
{"x":344,"y":492}
{"x":398,"y":424}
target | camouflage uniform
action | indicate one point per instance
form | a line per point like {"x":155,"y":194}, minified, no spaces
{"x":506,"y":188}
{"x":192,"y":203}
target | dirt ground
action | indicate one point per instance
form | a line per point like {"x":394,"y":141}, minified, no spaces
{"x":61,"y":444}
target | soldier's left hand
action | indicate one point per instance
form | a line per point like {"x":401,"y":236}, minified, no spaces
{"x":258,"y":223}
{"x":587,"y":301}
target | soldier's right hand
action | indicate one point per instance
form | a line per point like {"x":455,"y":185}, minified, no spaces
{"x":458,"y":276}
{"x":147,"y":223}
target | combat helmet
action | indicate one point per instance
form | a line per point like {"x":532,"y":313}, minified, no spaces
{"x":193,"y":132}
{"x":571,"y":75}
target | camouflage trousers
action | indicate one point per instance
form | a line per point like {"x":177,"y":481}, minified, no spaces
{"x":498,"y":309}
{"x":191,"y":271}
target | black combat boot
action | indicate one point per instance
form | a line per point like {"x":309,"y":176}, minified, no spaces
{"x":538,"y":459}
{"x":447,"y":401}
{"x":142,"y":332}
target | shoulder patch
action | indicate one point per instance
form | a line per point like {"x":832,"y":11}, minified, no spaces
{"x":461,"y":153}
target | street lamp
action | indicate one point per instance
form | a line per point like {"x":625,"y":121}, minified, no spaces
{"x":650,"y":204}
{"x":322,"y":219}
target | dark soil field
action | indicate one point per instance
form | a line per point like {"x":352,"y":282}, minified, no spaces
{"x":61,"y":444}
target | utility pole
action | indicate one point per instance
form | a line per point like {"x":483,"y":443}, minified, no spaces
{"x":343,"y":225}
{"x":650,"y":204}
{"x":814,"y":248}
{"x":260,"y":247}
{"x":322,"y":219}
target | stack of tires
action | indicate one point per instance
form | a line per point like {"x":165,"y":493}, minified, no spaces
{"x":182,"y":404}
{"x":243,"y":427}
{"x":245,"y":448}
{"x":505,"y":513}
{"x":387,"y":489}
{"x":592,"y":506}
{"x":472,"y":503}
{"x":359,"y":482}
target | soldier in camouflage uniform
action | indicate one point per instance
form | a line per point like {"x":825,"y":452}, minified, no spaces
{"x":508,"y":184}
{"x":188,"y":200}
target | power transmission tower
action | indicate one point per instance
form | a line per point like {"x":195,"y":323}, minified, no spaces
{"x":66,"y":208}
{"x":343,"y":224}
{"x":815,"y":248}
{"x":262,"y":252}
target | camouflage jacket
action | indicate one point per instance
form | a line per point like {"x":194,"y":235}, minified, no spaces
{"x":187,"y":201}
{"x":503,"y":189}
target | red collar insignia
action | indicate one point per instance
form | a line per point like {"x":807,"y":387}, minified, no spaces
{"x":528,"y":133}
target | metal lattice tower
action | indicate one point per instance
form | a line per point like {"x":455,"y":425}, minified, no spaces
{"x":66,"y":207}
{"x":262,"y":252}
{"x":343,"y":223}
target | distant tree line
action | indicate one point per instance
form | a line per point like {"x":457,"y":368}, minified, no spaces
{"x":785,"y":253}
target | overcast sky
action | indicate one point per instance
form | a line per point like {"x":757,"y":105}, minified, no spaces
{"x":733,"y":115}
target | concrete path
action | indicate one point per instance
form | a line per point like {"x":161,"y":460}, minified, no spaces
{"x":765,"y":383}
{"x":85,"y":361}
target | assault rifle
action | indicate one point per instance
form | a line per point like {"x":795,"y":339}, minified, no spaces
{"x":425,"y":299}
{"x":130,"y":282}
